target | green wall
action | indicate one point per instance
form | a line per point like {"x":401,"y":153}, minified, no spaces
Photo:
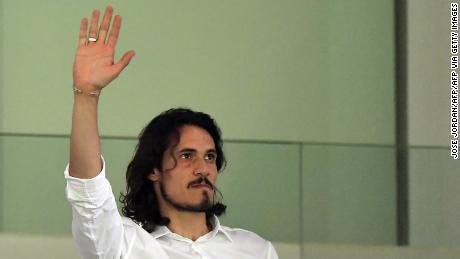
{"x":318,"y":71}
{"x":1,"y":113}
{"x":434,"y":176}
{"x":286,"y":192}
{"x":303,"y":90}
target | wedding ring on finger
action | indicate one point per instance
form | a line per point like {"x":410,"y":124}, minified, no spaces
{"x":91,"y":39}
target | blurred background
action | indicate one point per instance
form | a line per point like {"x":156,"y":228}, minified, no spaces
{"x":335,"y":116}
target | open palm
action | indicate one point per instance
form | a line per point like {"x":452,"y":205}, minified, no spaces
{"x":94,"y":66}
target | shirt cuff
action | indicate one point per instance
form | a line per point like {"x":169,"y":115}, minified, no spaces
{"x":69,"y":177}
{"x":89,"y":193}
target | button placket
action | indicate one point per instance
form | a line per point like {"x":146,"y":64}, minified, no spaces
{"x":200,"y":251}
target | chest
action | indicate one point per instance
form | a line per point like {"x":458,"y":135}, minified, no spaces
{"x":172,"y":249}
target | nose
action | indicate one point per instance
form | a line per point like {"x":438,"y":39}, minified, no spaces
{"x":201,"y":168}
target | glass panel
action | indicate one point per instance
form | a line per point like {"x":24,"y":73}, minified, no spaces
{"x":434,"y":208}
{"x":349,"y":194}
{"x":33,"y":185}
{"x":261,"y":188}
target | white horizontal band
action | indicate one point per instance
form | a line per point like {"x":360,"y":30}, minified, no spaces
{"x":92,"y":39}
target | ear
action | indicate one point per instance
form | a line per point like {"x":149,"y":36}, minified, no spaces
{"x":155,"y":175}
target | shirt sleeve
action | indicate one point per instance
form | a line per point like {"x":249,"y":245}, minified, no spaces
{"x":271,"y":252}
{"x":97,"y":227}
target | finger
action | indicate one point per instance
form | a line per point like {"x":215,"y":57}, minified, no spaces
{"x":93,"y":28}
{"x":124,"y":61}
{"x":105,"y":24}
{"x":83,"y":30}
{"x":115,"y":31}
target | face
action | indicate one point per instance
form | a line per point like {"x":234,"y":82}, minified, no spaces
{"x":189,"y":172}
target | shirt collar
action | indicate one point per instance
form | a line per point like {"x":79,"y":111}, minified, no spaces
{"x":160,"y":231}
{"x":217,"y":229}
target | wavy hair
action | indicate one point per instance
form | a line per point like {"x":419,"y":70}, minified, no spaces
{"x":140,"y":202}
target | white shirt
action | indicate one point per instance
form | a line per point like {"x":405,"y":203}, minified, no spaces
{"x":100,"y":232}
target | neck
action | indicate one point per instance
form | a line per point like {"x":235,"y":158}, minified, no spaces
{"x":191,"y":225}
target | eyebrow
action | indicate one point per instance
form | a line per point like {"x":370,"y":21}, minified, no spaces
{"x":192,"y":150}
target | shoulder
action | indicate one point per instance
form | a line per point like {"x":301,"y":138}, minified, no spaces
{"x":250,"y":243}
{"x":131,"y":227}
{"x":246,"y":237}
{"x":134,"y":231}
{"x":128,"y":223}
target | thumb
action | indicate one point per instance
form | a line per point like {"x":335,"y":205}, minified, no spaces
{"x":124,"y":61}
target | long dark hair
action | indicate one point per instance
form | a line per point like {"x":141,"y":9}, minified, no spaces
{"x":140,"y":202}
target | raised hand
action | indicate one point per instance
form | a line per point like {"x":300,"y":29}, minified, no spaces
{"x":94,"y":66}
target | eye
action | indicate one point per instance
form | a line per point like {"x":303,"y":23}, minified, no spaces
{"x":210,"y":157}
{"x":186,"y":155}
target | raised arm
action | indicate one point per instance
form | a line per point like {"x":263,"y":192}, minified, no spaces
{"x":93,"y":69}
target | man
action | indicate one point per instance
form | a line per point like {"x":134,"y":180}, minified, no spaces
{"x":170,"y":205}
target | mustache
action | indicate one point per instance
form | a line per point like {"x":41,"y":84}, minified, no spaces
{"x":201,"y":180}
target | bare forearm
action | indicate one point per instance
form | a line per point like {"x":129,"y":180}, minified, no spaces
{"x":85,"y":149}
{"x":94,"y":68}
